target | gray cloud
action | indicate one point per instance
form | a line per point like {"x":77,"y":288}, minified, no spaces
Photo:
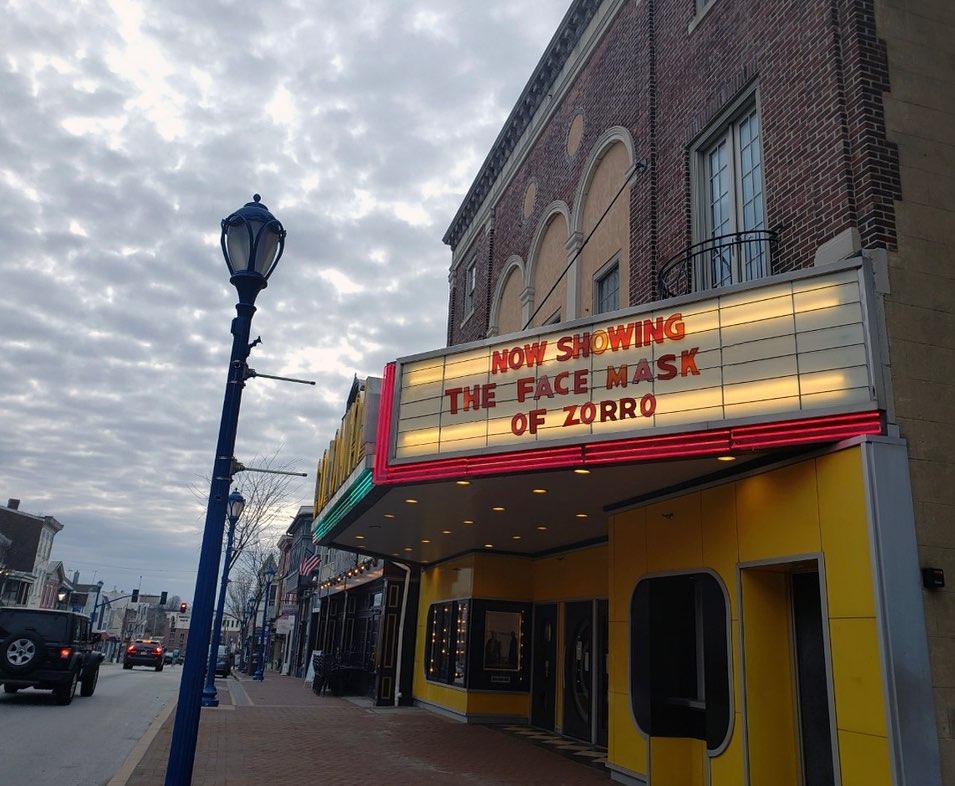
{"x":128,"y":131}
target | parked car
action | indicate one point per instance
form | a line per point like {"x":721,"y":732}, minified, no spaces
{"x":223,"y":662}
{"x":47,"y":649}
{"x":144,"y":652}
{"x":168,"y":657}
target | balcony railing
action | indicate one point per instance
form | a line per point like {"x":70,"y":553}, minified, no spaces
{"x":719,"y":261}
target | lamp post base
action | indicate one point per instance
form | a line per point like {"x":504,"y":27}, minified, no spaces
{"x":209,"y":698}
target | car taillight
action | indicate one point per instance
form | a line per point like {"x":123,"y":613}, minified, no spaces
{"x":131,"y":649}
{"x":157,"y":651}
{"x":66,"y":652}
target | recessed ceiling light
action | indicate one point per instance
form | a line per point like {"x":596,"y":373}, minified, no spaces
{"x":407,"y":548}
{"x":469,"y":521}
{"x":581,"y":515}
{"x":463,"y":482}
{"x":726,"y":458}
{"x":425,"y":540}
{"x":538,"y":491}
{"x":515,"y":537}
{"x":394,"y":554}
{"x":360,"y":537}
{"x":497,"y":509}
{"x":445,"y":532}
{"x":541,"y":527}
{"x":489,"y":545}
{"x":389,"y":515}
{"x":581,"y":471}
{"x":411,"y":501}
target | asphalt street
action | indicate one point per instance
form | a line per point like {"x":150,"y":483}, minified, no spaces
{"x":86,"y":742}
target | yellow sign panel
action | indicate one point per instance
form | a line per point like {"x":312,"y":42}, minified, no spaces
{"x":775,"y":350}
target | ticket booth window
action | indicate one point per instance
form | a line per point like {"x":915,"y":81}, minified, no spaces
{"x":679,"y":664}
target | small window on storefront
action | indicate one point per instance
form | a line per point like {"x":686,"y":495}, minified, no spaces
{"x":446,"y":642}
{"x":679,"y":667}
{"x":470,"y":285}
{"x":607,"y":289}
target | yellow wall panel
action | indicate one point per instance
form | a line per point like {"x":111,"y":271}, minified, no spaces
{"x":487,"y":703}
{"x":674,"y":539}
{"x":628,"y":544}
{"x":845,"y":534}
{"x":770,"y":706}
{"x":778,"y":513}
{"x":676,"y":761}
{"x":720,"y":539}
{"x":814,"y":506}
{"x":504,"y":577}
{"x":864,"y":760}
{"x":857,"y":676}
{"x":727,"y":768}
{"x":627,"y":747}
{"x":572,"y":575}
{"x":619,"y":658}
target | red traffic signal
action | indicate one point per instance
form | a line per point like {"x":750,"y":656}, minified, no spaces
{"x":182,"y":608}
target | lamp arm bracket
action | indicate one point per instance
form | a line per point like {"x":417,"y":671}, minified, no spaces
{"x":251,"y":372}
{"x":238,"y":466}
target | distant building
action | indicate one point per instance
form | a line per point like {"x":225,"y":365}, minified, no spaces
{"x":26,"y":575}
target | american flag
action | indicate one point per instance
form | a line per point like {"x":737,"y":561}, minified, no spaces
{"x":309,"y":563}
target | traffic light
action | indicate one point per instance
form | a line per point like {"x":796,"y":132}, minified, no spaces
{"x":163,"y":596}
{"x":135,"y":596}
{"x":183,"y":607}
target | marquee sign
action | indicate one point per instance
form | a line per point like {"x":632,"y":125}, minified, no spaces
{"x":794,"y":346}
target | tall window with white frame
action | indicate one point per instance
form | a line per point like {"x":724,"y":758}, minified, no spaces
{"x":470,"y":284}
{"x":607,"y":289}
{"x":735,"y":245}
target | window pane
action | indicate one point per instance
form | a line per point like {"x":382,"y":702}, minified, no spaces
{"x":720,"y":212}
{"x":608,"y":291}
{"x":751,"y":196}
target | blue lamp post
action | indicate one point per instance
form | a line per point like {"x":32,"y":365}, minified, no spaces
{"x":99,"y":589}
{"x":252,"y":242}
{"x":269,"y":575}
{"x":233,"y":510}
{"x":247,"y":644}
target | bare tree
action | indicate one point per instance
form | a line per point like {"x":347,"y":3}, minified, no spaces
{"x":267,"y":501}
{"x":267,"y":498}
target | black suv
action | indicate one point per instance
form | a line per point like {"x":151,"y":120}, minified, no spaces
{"x":47,"y":649}
{"x":144,"y":653}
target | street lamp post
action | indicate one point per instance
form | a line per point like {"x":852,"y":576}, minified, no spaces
{"x":269,"y":575}
{"x":233,"y":511}
{"x":99,"y":589}
{"x":252,"y":242}
{"x":247,"y":644}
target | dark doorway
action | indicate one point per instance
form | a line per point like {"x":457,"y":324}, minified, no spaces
{"x":578,"y":670}
{"x":601,"y":704}
{"x":812,"y":682}
{"x":544,"y":676}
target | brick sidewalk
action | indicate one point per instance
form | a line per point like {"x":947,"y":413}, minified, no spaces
{"x":287,"y":734}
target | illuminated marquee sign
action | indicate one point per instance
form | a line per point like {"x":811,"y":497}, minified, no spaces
{"x":787,"y":349}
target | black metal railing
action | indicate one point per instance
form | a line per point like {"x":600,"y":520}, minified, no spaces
{"x":719,"y":261}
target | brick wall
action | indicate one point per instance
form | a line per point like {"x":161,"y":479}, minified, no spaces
{"x":827,"y":164}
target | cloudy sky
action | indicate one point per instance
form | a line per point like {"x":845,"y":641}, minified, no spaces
{"x":127,"y":131}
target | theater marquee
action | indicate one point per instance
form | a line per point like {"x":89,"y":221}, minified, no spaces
{"x":796,"y":346}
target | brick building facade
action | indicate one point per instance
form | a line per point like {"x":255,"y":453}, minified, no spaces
{"x":850,"y":106}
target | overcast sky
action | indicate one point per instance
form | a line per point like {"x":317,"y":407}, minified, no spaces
{"x":127,"y":131}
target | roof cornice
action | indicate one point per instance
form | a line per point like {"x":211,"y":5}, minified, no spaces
{"x":555,"y":56}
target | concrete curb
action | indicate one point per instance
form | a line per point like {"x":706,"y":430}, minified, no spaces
{"x":124,"y":773}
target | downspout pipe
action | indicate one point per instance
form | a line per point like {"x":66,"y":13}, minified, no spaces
{"x":401,"y":629}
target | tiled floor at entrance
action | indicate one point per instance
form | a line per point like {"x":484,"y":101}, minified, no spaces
{"x":580,"y":752}
{"x":285,"y":733}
